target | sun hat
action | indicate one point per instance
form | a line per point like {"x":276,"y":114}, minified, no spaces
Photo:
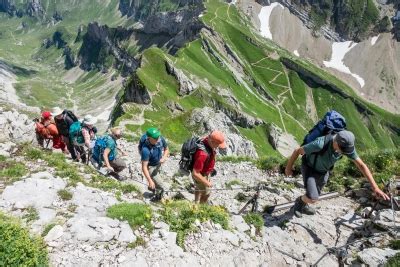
{"x":89,"y":120}
{"x":56,"y":111}
{"x":46,"y":114}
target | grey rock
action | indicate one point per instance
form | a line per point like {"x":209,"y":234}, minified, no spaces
{"x":283,"y":142}
{"x":376,"y":256}
{"x":126,"y":234}
{"x":186,"y":86}
{"x":55,"y":233}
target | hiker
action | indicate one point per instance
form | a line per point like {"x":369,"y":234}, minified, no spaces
{"x":105,"y":153}
{"x":63,"y":120}
{"x":315,"y":167}
{"x":154,"y":152}
{"x":82,"y":134}
{"x":46,"y":129}
{"x":203,"y":164}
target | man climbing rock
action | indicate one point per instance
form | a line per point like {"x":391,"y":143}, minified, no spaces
{"x":154,"y":152}
{"x":203,"y":165}
{"x":319,"y":157}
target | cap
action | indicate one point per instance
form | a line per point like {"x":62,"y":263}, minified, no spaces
{"x":89,"y":120}
{"x":56,"y":111}
{"x":219,"y":138}
{"x":153,"y":133}
{"x":345,"y":140}
{"x":46,"y":114}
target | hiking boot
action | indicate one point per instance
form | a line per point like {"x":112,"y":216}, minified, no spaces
{"x":301,"y":208}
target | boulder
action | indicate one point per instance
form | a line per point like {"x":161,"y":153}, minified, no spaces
{"x":281,"y":141}
{"x":376,"y":256}
{"x":207,"y":119}
{"x":186,"y":86}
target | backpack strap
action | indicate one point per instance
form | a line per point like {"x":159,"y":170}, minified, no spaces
{"x":327,"y":141}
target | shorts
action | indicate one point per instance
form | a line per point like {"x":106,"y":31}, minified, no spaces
{"x":157,"y":177}
{"x":314,"y":181}
{"x":199,"y":186}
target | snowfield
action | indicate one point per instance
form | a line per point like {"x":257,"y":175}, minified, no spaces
{"x":264,"y":16}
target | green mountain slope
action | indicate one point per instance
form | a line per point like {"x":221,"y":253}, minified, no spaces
{"x":268,"y":89}
{"x":78,"y":63}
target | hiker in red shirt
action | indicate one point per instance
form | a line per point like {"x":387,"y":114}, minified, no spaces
{"x":203,"y":166}
{"x":46,"y":129}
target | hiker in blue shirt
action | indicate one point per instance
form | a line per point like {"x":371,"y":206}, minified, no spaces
{"x":315,"y":167}
{"x":154,"y":152}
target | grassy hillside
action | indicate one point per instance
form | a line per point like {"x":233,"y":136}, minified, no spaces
{"x":261,"y":65}
{"x":229,"y":56}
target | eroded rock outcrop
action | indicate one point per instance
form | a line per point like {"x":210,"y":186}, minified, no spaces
{"x":206,"y":120}
{"x":186,"y":85}
{"x":281,"y":141}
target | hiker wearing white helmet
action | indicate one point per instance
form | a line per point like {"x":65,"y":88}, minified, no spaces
{"x":81,"y":134}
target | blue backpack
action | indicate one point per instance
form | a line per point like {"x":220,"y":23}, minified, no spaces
{"x":75,"y":132}
{"x":99,"y":146}
{"x":333,"y":122}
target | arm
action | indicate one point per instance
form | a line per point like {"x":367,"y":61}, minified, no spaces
{"x":105,"y":158}
{"x":165,"y":155}
{"x":122,"y":152}
{"x":146,"y":173}
{"x":296,"y":153}
{"x":367,"y":173}
{"x":200,"y":178}
{"x":86,"y":137}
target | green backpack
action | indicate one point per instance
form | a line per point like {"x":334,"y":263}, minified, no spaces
{"x":75,"y":133}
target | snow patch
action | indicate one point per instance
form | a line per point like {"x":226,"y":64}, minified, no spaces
{"x":264,"y":16}
{"x":339,"y":51}
{"x":296,"y":53}
{"x":374,"y":39}
{"x":201,"y":15}
{"x":233,"y":2}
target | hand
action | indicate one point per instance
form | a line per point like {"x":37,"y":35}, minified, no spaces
{"x":152,"y":185}
{"x":163,"y":159}
{"x":209,"y":184}
{"x":110,"y":169}
{"x":124,"y":154}
{"x":379,"y":193}
{"x":288,"y":171}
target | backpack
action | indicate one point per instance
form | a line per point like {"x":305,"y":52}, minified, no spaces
{"x":75,"y":133}
{"x":141,"y":142}
{"x":99,"y":146}
{"x":188,"y":150}
{"x":332,"y":123}
{"x":65,"y":121}
{"x":42,"y":130}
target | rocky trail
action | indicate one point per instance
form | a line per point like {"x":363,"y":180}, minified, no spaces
{"x":83,"y":235}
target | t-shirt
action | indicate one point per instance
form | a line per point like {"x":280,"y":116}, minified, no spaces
{"x":325,"y":161}
{"x":153,"y":153}
{"x":203,"y":162}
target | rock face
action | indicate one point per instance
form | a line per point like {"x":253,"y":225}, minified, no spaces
{"x":136,"y":92}
{"x":186,"y":86}
{"x":15,"y":127}
{"x":284,"y":143}
{"x":100,"y":42}
{"x":206,"y":120}
{"x":35,"y":9}
{"x":340,"y":20}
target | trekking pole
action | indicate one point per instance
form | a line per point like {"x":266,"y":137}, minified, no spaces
{"x":253,"y":200}
{"x":47,"y":143}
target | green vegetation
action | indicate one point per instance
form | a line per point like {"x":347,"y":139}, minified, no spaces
{"x":393,"y":261}
{"x":235,"y":159}
{"x":254,"y":219}
{"x":135,"y":214}
{"x":31,"y":214}
{"x":18,"y":247}
{"x":47,"y":229}
{"x":384,"y":165}
{"x":241,"y":197}
{"x":64,"y":194}
{"x":139,"y":242}
{"x":233,"y":182}
{"x":181,"y":215}
{"x":395,"y":244}
{"x":11,"y":171}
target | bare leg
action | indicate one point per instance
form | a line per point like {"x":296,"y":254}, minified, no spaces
{"x":204,"y":198}
{"x":197,"y":195}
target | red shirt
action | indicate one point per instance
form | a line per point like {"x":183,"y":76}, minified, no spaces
{"x":203,"y":162}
